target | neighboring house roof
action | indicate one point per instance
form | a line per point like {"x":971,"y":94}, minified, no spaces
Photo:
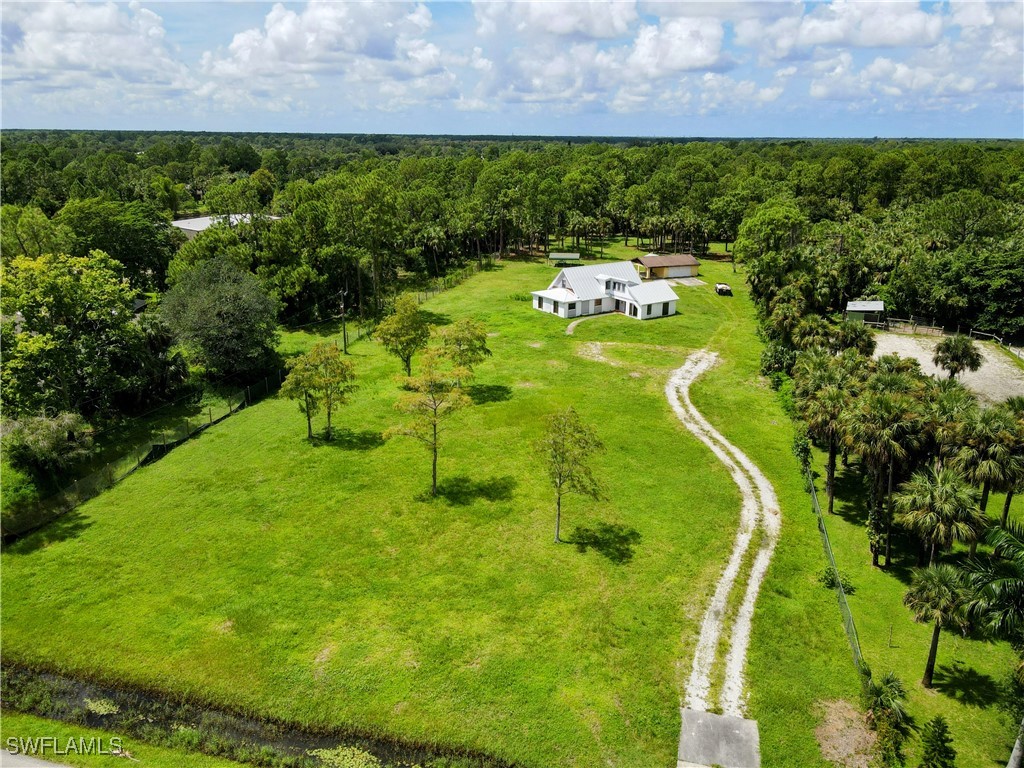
{"x":865,"y":306}
{"x":652,"y":260}
{"x":200,"y":223}
{"x":588,"y":282}
{"x":653,"y":292}
{"x":563,"y":256}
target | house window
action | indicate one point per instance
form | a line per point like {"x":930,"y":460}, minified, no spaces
{"x":597,"y":303}
{"x":572,"y":307}
{"x":632,"y":310}
{"x":554,"y":306}
{"x":664,"y":308}
{"x":607,"y":285}
{"x":540,"y":303}
{"x":648,"y":309}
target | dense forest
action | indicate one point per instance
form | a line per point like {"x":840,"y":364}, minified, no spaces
{"x":107,"y":308}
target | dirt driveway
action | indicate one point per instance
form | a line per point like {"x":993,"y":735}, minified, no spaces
{"x":997,"y":379}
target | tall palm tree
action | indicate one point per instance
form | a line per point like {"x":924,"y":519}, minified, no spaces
{"x":948,"y":405}
{"x":996,"y":587}
{"x":957,"y":354}
{"x":936,"y":596}
{"x":882,"y":428}
{"x":1015,"y":479}
{"x":990,"y":456}
{"x":823,"y":411}
{"x":941,"y":507}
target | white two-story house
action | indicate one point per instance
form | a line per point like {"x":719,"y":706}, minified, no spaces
{"x":599,"y":288}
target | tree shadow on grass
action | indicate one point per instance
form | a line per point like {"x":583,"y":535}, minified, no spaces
{"x":350,"y":440}
{"x":435,"y":318}
{"x":614,"y":541}
{"x":462,"y":491}
{"x":488,"y":393}
{"x":966,"y":685}
{"x":68,"y":526}
{"x":851,"y":496}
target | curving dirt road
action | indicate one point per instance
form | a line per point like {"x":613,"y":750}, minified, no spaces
{"x":759,"y":508}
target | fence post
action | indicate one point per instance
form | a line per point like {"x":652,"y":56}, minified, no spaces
{"x":248,"y":398}
{"x":211,"y":411}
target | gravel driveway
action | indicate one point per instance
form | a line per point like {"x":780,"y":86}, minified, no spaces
{"x":997,"y":379}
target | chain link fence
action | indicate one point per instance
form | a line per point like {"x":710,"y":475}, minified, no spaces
{"x":844,"y":606}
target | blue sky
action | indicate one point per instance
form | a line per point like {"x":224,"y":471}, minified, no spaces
{"x":625,"y":67}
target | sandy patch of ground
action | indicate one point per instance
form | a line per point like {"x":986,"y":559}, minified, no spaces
{"x":536,"y":344}
{"x":759,"y":508}
{"x":997,"y":380}
{"x":320,"y":663}
{"x":843,"y":736}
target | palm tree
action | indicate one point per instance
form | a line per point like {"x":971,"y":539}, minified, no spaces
{"x":948,"y":404}
{"x":1015,"y":476}
{"x":823,"y":411}
{"x":990,"y":455}
{"x":957,"y":354}
{"x":885,"y":699}
{"x":941,"y":507}
{"x":936,"y":596}
{"x":882,"y":428}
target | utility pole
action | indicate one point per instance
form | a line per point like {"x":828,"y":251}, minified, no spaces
{"x":344,"y":328}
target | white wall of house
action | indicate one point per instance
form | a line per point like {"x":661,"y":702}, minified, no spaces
{"x":657,"y":310}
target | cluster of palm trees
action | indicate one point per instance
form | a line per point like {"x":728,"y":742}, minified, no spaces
{"x":932,"y":456}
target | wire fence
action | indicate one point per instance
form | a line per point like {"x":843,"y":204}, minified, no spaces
{"x":844,"y":606}
{"x":77,"y":492}
{"x":452,"y":279}
{"x":32,"y":516}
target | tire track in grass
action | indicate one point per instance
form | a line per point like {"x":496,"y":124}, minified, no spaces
{"x":759,"y":507}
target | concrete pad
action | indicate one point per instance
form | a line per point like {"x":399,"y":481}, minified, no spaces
{"x":10,"y":760}
{"x":707,"y":739}
{"x":692,"y":282}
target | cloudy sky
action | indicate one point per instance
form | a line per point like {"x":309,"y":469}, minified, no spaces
{"x":673,"y":68}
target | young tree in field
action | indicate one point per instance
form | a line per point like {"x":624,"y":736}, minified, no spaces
{"x":334,"y":377}
{"x":938,"y":745}
{"x":464,"y":343}
{"x":957,"y":354}
{"x":936,"y":596}
{"x":405,"y":332}
{"x":320,"y":378}
{"x":941,"y":507}
{"x":432,"y":397}
{"x":301,"y":385}
{"x":567,"y":447}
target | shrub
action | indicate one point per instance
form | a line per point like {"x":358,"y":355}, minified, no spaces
{"x":831,"y":577}
{"x":938,"y":745}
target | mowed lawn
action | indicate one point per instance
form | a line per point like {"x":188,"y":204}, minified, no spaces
{"x":320,"y":583}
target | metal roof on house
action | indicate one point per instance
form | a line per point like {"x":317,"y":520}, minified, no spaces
{"x":654,"y":292}
{"x":865,"y":306}
{"x":201,"y":223}
{"x":652,"y":260}
{"x":587,"y":282}
{"x":556,"y":294}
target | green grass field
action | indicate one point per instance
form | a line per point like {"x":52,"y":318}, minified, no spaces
{"x":319,"y":583}
{"x":15,"y":725}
